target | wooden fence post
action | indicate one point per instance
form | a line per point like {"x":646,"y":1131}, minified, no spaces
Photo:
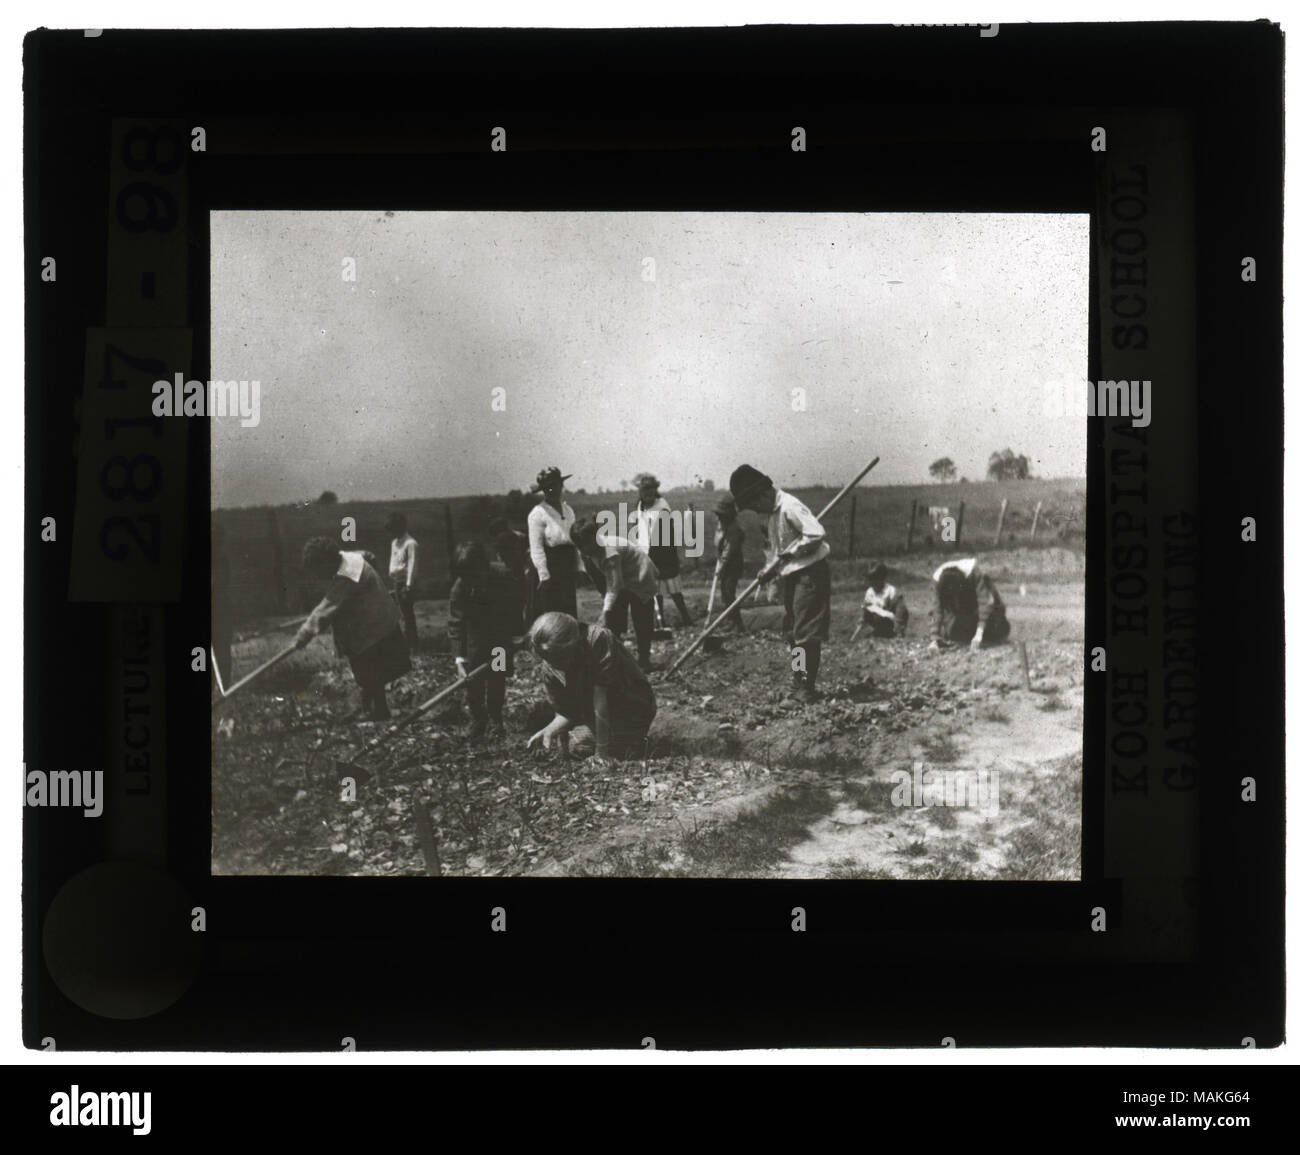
{"x":961,"y":516}
{"x":1033,"y":529}
{"x":911,"y":525}
{"x":1002,"y":513}
{"x":853,"y":521}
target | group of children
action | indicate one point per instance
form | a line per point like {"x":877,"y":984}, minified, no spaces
{"x":528,"y":591}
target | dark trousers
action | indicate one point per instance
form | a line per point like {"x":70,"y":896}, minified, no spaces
{"x":405,"y":599}
{"x":960,"y":628}
{"x":487,"y":695}
{"x":642,"y":621}
{"x":727,"y":588}
{"x":882,"y":627}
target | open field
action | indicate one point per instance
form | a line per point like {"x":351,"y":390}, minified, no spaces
{"x":738,"y":781}
{"x":264,"y":544}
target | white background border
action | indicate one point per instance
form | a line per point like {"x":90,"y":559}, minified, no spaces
{"x":22,"y":16}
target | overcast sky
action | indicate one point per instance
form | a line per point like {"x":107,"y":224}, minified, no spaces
{"x":915,"y":336}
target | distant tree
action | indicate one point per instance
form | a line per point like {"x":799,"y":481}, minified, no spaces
{"x":624,"y":484}
{"x":329,"y":497}
{"x":708,"y":485}
{"x":1008,"y":466}
{"x":943,"y":469}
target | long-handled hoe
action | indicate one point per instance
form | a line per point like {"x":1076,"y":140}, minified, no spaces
{"x":344,"y":765}
{"x":749,"y":589}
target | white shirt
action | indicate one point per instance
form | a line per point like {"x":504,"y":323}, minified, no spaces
{"x":547,"y":528}
{"x":966,"y":565}
{"x":401,"y":561}
{"x":632,"y":571}
{"x":882,"y":602}
{"x":351,"y":565}
{"x":643,"y":528}
{"x":792,"y":523}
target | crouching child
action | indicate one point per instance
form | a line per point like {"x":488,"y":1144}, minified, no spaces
{"x":884,"y":612}
{"x":590,"y":679}
{"x":366,"y":623}
{"x":483,"y":617}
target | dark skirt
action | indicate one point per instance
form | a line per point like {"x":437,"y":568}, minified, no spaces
{"x":666,"y":560}
{"x":560,"y":594}
{"x":383,"y":662}
{"x":808,"y":604}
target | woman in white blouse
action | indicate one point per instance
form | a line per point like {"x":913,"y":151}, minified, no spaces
{"x":554,"y":556}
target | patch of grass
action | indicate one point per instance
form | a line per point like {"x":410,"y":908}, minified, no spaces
{"x":940,"y":748}
{"x":670,"y":744}
{"x":942,"y":817}
{"x":1047,"y":844}
{"x":1051,"y":701}
{"x":756,"y":839}
{"x":850,"y":870}
{"x":869,"y":796}
{"x":944,"y":868}
{"x":914,"y":849}
{"x":996,"y":714}
{"x":644,"y":860}
{"x":830,"y":761}
{"x":743,"y":847}
{"x":731,"y":742}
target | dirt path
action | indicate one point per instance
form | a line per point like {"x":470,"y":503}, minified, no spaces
{"x":1006,"y":789}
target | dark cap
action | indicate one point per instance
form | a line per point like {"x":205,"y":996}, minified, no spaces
{"x":318,"y":551}
{"x":583,"y":533}
{"x":877,"y":570}
{"x":548,"y":478}
{"x":396,"y":523}
{"x":747,"y":483}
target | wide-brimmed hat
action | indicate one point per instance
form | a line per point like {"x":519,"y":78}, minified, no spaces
{"x":747,"y":483}
{"x":641,"y":480}
{"x":548,"y":478}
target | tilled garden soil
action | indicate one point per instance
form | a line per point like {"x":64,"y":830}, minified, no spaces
{"x":740,"y":780}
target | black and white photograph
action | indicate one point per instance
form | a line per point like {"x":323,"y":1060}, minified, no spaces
{"x":544,"y":541}
{"x":648,"y":544}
